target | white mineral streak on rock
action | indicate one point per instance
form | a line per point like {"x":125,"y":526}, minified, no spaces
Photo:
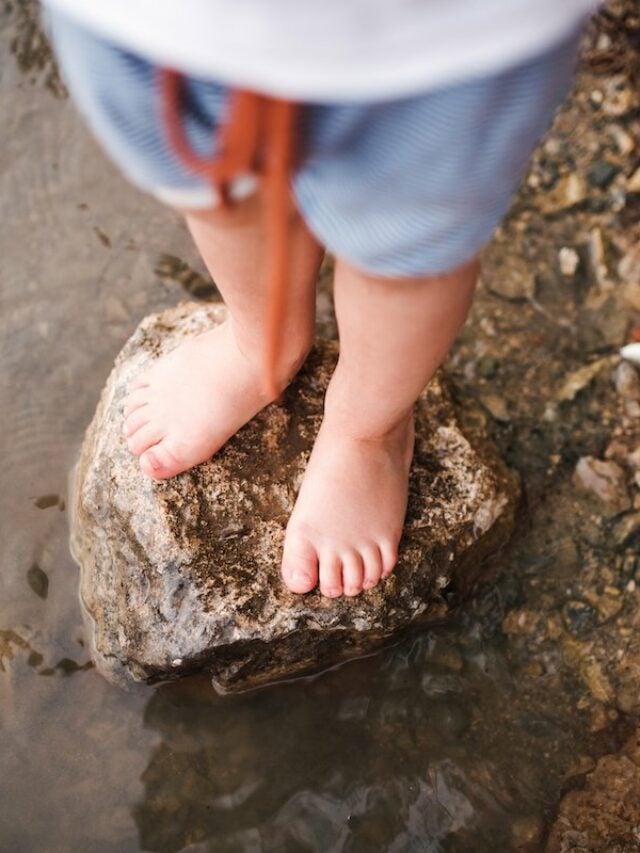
{"x":488,"y":513}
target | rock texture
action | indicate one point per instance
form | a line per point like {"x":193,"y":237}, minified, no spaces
{"x":183,"y":575}
{"x":605,"y":816}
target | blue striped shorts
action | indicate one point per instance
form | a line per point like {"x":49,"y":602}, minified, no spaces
{"x":404,"y":187}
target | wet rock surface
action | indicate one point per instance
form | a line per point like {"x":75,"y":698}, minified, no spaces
{"x":604,"y":817}
{"x":183,"y":575}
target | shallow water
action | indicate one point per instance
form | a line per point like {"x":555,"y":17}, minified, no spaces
{"x":429,"y":746}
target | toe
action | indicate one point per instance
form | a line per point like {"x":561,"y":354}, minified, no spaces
{"x":330,"y":575}
{"x":352,"y":573}
{"x":135,"y":421}
{"x":145,"y":437}
{"x":372,"y":561}
{"x":134,"y":400}
{"x":161,"y":462}
{"x":299,"y":563}
{"x":389,"y":554}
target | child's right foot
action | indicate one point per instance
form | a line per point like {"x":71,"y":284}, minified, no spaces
{"x":184,"y":408}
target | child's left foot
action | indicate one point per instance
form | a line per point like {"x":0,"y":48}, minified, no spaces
{"x":348,"y":519}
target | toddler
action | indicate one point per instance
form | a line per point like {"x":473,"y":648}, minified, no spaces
{"x":391,"y":133}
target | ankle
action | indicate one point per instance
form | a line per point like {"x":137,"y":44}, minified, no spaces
{"x":353,"y":418}
{"x":294,"y":351}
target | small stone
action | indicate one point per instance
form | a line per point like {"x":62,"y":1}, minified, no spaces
{"x":569,"y":261}
{"x":629,"y":265}
{"x":604,"y":326}
{"x":515,"y":282}
{"x":521,"y":622}
{"x":627,"y":530}
{"x":579,"y":379}
{"x":619,"y":96}
{"x":602,"y":173}
{"x":604,"y":479}
{"x":487,"y":366}
{"x":596,"y":681}
{"x":633,"y":182}
{"x":579,"y":618}
{"x":624,"y":141}
{"x":569,"y":191}
{"x":608,"y":606}
{"x":496,"y":406}
{"x":597,"y":256}
{"x":629,"y":294}
{"x":596,"y":97}
{"x":627,"y":381}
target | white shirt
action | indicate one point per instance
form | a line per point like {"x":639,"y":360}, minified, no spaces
{"x":332,"y":50}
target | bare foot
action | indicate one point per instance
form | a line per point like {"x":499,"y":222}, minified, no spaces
{"x":348,"y":519}
{"x":185,"y":407}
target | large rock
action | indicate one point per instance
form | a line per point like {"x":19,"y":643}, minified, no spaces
{"x":183,"y":575}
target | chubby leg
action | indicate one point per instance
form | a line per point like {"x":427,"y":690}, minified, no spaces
{"x":182,"y":410}
{"x":348,"y":519}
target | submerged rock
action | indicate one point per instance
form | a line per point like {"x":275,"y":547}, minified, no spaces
{"x":605,"y":816}
{"x":183,"y":575}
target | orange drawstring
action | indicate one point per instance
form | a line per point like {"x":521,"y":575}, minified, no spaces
{"x":258,"y":138}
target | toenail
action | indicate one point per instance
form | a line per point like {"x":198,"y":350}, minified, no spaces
{"x":301,"y":575}
{"x":368,"y":584}
{"x":334,"y":592}
{"x":152,"y":460}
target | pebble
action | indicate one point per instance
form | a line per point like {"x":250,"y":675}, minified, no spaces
{"x":623,"y":140}
{"x":579,"y":618}
{"x":496,"y":406}
{"x":602,"y":173}
{"x":605,"y":479}
{"x":515,"y":284}
{"x":569,"y":261}
{"x":487,"y":366}
{"x":627,"y":529}
{"x":609,"y":606}
{"x":633,"y":182}
{"x":597,"y":256}
{"x":630,"y":295}
{"x":627,"y":381}
{"x":598,"y":684}
{"x":521,"y":622}
{"x":629,"y":265}
{"x":569,"y":191}
{"x":619,"y":97}
{"x":578,"y":379}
